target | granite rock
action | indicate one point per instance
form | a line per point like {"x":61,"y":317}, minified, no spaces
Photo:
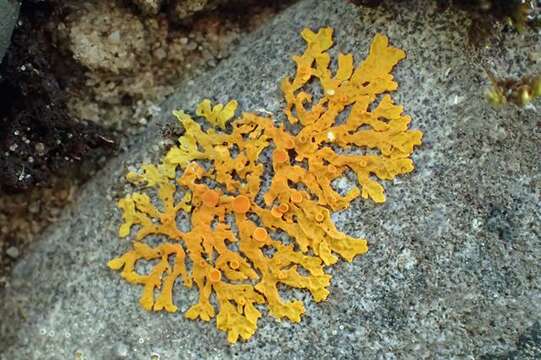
{"x":9,"y":13}
{"x":454,"y":254}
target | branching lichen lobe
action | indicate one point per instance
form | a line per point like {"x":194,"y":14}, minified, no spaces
{"x":298,"y":202}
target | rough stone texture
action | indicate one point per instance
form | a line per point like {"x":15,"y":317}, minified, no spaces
{"x":454,"y":259}
{"x":133,"y":61}
{"x":9,"y":12}
{"x":148,"y":6}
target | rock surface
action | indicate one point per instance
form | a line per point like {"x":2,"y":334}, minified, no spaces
{"x":454,"y":260}
{"x":9,"y":12}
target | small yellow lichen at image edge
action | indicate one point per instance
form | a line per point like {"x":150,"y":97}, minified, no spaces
{"x":234,"y":222}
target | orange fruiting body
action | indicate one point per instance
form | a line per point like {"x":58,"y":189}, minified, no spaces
{"x":280,"y":156}
{"x":296,"y":197}
{"x":260,"y":234}
{"x":210,"y":198}
{"x":215,"y":276}
{"x":241,"y":204}
{"x":275,"y":212}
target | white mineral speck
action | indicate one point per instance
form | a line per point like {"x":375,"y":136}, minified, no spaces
{"x":121,"y":350}
{"x":476,"y":224}
{"x":13,"y":252}
{"x":40,"y":148}
{"x":406,"y":260}
{"x":115,"y":37}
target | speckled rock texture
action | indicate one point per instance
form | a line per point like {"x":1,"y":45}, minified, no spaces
{"x":9,"y":12}
{"x":454,"y":254}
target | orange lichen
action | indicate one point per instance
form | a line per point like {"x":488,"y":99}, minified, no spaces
{"x":234,"y":222}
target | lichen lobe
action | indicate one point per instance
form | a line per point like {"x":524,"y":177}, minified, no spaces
{"x":298,"y":202}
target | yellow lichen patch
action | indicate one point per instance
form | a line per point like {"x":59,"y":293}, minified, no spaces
{"x":233,"y":248}
{"x":218,"y":115}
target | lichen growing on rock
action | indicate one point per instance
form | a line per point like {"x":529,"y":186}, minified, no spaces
{"x":234,"y":247}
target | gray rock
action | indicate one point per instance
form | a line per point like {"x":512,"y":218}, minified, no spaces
{"x":9,"y":13}
{"x":454,"y":260}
